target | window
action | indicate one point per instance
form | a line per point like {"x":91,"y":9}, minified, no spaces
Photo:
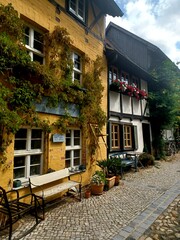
{"x":135,"y":81}
{"x":115,"y":136}
{"x":73,"y":148}
{"x":77,"y":8}
{"x":113,"y":74}
{"x":28,"y":153}
{"x":77,"y":68}
{"x":127,"y":136}
{"x":125,"y":77}
{"x":34,"y":44}
{"x":123,"y":137}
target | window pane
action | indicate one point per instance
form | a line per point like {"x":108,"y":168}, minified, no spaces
{"x":35,"y":144}
{"x":35,"y":170}
{"x":19,"y":173}
{"x":26,"y":39}
{"x":68,"y":138}
{"x":76,"y":137}
{"x":36,"y":133}
{"x":35,"y":159}
{"x":20,"y":144}
{"x":21,"y":133}
{"x":37,"y":58}
{"x":19,"y":167}
{"x":77,"y":76}
{"x":77,"y":61}
{"x":76,"y":157}
{"x":81,"y":8}
{"x":73,"y":5}
{"x":19,"y":161}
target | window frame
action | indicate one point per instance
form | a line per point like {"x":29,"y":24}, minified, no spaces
{"x":27,"y":153}
{"x":127,"y":137}
{"x":115,"y":136}
{"x":72,"y":147}
{"x":113,"y":74}
{"x":77,"y":70}
{"x":125,"y":77}
{"x":75,"y":13}
{"x":30,"y":47}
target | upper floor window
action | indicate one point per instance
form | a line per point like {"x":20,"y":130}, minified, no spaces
{"x":77,"y":8}
{"x":113,"y":74}
{"x":125,"y":77}
{"x":34,"y":44}
{"x":77,"y":68}
{"x":135,"y":80}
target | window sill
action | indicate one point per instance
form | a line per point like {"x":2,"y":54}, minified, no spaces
{"x":23,"y":185}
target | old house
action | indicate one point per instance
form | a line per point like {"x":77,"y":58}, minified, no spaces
{"x":128,"y":58}
{"x":33,"y":149}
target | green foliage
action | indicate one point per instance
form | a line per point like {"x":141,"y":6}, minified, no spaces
{"x":98,"y":178}
{"x":146,"y":159}
{"x":164,"y":101}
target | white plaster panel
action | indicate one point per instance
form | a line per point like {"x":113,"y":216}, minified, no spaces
{"x":126,"y":102}
{"x":114,"y":102}
{"x":136,"y":107}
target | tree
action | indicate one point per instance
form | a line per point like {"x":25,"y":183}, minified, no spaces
{"x":164,"y":101}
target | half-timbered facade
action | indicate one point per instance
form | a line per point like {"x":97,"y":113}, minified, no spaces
{"x":129,"y":127}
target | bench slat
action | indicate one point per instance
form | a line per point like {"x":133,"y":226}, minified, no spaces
{"x":48,"y":192}
{"x":49,"y":177}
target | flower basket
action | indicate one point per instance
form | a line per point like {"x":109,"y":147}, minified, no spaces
{"x":130,"y":90}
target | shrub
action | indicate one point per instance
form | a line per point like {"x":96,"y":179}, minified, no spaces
{"x":146,"y":159}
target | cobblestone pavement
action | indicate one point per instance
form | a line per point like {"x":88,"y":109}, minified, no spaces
{"x":124,"y":212}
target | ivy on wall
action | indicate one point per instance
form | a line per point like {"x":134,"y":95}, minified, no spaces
{"x":23,"y":82}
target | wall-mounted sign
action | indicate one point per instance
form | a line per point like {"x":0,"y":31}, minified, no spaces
{"x":58,"y":138}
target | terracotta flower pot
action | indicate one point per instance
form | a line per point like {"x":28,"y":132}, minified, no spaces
{"x":117,"y":179}
{"x":87,"y":194}
{"x":97,"y":189}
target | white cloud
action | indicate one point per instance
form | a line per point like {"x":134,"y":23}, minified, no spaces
{"x":157,"y":21}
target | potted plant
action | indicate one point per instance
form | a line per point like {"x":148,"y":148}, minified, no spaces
{"x":106,"y":166}
{"x":116,"y":169}
{"x":97,"y":183}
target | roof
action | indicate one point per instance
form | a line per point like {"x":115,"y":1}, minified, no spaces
{"x":109,"y":7}
{"x":137,"y":50}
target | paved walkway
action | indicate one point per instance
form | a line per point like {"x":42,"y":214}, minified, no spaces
{"x":123,"y":212}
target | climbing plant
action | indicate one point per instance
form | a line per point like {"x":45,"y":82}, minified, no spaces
{"x":24,"y":83}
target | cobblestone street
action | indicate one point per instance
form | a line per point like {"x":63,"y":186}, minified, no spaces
{"x":124,"y":212}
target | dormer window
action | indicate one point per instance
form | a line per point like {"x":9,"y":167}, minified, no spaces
{"x":77,"y":8}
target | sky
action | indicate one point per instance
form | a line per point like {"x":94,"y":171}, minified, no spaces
{"x":157,"y":21}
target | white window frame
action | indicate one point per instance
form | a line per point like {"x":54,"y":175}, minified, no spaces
{"x":29,"y":152}
{"x":76,"y":11}
{"x":77,"y":70}
{"x":73,"y":147}
{"x":30,"y":47}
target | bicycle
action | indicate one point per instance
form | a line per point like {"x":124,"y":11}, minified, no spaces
{"x":171,"y":148}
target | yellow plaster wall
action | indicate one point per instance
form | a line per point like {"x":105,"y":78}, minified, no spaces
{"x":43,"y":14}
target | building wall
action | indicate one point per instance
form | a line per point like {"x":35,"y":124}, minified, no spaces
{"x":43,"y":14}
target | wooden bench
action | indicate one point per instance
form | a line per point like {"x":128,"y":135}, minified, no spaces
{"x":40,"y":185}
{"x":13,"y":207}
{"x":127,"y":160}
